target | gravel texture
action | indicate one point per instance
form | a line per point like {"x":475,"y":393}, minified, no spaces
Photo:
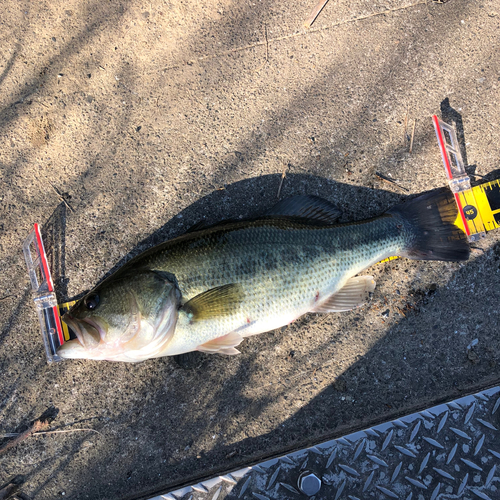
{"x":124,"y":123}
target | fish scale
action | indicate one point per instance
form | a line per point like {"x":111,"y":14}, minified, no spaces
{"x":305,"y":260}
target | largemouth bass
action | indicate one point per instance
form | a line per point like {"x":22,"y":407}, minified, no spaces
{"x":210,"y":288}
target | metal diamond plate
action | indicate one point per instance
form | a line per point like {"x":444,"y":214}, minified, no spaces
{"x":446,"y":452}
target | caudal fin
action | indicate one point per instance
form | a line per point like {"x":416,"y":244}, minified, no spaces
{"x":429,"y":223}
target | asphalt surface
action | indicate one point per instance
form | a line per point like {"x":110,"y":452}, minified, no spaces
{"x":124,"y":123}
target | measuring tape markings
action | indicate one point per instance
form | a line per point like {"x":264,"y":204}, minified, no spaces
{"x":491,"y":191}
{"x":479,"y":208}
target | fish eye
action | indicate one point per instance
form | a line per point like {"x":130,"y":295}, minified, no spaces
{"x":91,"y":301}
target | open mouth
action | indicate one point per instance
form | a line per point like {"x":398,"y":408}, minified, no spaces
{"x":88,"y":332}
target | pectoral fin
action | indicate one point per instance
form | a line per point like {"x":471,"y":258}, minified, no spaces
{"x":354,"y":293}
{"x":215,"y":302}
{"x":223,"y":345}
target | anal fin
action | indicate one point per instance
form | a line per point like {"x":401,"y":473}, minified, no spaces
{"x":354,"y":293}
{"x":229,"y":351}
{"x":222,"y":345}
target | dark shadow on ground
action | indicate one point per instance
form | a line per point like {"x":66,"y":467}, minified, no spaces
{"x":54,"y":237}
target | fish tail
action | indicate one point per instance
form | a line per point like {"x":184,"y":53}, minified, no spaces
{"x":429,"y":225}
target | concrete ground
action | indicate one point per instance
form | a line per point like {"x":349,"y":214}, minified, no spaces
{"x":123,"y":123}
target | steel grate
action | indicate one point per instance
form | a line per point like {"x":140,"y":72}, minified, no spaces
{"x":446,"y":452}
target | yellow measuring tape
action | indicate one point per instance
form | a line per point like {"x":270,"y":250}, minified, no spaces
{"x":480,"y":207}
{"x":62,"y":309}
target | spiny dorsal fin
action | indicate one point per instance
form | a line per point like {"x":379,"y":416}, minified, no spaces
{"x":203,"y":225}
{"x":197,"y":226}
{"x":302,"y":208}
{"x":219,"y":301}
{"x":308,"y":207}
{"x":354,"y":293}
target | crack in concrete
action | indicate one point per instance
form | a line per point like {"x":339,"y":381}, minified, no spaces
{"x":268,"y":41}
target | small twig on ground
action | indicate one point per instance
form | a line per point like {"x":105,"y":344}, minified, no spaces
{"x":405,"y":135}
{"x":412,"y":135}
{"x":62,"y":198}
{"x":38,"y":425}
{"x":267,"y":50}
{"x":6,"y":297}
{"x":267,"y":42}
{"x":67,"y":430}
{"x":39,"y":433}
{"x":283,"y":175}
{"x":315,"y":13}
{"x":477,"y":249}
{"x":390,"y":181}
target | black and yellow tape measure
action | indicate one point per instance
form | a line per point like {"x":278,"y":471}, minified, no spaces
{"x":479,"y":208}
{"x":67,"y":333}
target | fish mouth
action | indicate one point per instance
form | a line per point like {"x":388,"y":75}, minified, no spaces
{"x":73,"y":349}
{"x":89,"y":333}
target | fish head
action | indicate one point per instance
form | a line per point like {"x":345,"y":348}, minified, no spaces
{"x":130,"y":317}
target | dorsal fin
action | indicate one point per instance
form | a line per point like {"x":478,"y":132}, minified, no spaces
{"x":197,"y":226}
{"x":301,"y":208}
{"x":216,"y":302}
{"x":307,"y":207}
{"x":202,"y":225}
